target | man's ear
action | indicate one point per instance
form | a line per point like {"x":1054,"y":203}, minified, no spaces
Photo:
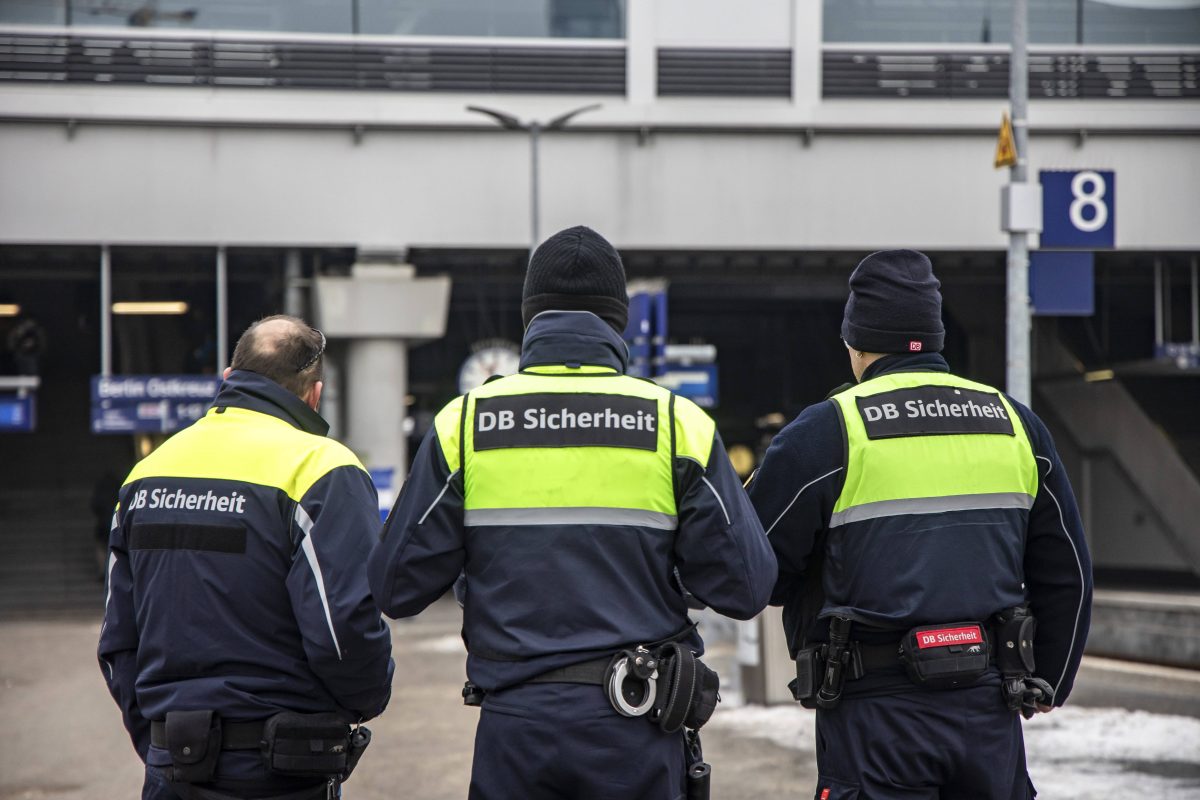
{"x":225,"y":374}
{"x":313,"y":396}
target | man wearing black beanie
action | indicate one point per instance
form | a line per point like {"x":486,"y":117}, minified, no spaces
{"x":576,"y":270}
{"x":920,"y":521}
{"x":577,"y":502}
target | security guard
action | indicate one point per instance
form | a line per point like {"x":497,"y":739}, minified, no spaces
{"x":924,"y":526}
{"x":575,"y":499}
{"x":237,"y":593}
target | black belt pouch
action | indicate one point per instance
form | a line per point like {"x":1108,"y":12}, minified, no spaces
{"x":194,"y":742}
{"x":688,"y":691}
{"x":705,"y":696}
{"x":810,"y":669}
{"x":945,"y":656}
{"x":306,"y":744}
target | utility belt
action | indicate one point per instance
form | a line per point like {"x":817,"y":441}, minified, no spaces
{"x":938,"y":657}
{"x":663,"y":682}
{"x":292,"y":745}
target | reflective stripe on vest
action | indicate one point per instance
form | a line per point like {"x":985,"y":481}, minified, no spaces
{"x":927,"y":443}
{"x":571,"y":448}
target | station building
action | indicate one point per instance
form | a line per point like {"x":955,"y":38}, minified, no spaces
{"x":243,"y":157}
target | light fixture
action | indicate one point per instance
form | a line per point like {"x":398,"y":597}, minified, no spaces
{"x":9,"y":309}
{"x":150,"y":307}
{"x":1098,"y":375}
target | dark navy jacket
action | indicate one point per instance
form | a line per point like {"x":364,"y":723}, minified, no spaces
{"x":799,"y":482}
{"x":599,"y":587}
{"x":237,"y":573}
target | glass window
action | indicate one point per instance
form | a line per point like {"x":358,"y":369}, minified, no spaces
{"x":304,"y":16}
{"x":986,"y":21}
{"x":903,"y":21}
{"x":33,"y":12}
{"x":581,"y":19}
{"x":1141,"y":21}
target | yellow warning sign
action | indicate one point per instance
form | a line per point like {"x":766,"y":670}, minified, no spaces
{"x":1006,"y":146}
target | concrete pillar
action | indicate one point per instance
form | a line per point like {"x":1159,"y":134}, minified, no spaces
{"x":807,"y":39}
{"x":293,"y":285}
{"x":378,"y":312}
{"x":331,"y":396}
{"x":641,"y":53}
{"x":378,"y":370}
{"x":767,"y":668}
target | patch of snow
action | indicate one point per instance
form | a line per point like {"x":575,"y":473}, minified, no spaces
{"x":1083,"y":753}
{"x":792,"y":727}
{"x":1073,"y":753}
{"x":440,"y":644}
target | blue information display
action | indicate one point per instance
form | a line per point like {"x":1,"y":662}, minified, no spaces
{"x":150,"y":403}
{"x":697,"y":383}
{"x":1079,"y":209}
{"x":17,"y":412}
{"x":1062,"y":284}
{"x":384,"y":479}
{"x":646,"y":332}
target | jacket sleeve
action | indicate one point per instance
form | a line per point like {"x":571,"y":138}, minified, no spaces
{"x":119,"y":639}
{"x":1058,"y":566}
{"x":347,"y":643}
{"x":722,"y":555}
{"x":422,"y":549}
{"x":794,"y":491}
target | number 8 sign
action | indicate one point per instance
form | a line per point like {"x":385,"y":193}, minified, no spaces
{"x":1079,"y":209}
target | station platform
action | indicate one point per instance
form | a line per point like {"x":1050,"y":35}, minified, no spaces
{"x":1157,"y":627}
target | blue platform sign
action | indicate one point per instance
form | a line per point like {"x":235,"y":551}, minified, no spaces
{"x":1062,"y":284}
{"x":18,"y":412}
{"x":384,"y":479}
{"x":646,"y":332}
{"x":696,"y":382}
{"x":150,"y":403}
{"x":1079,"y":209}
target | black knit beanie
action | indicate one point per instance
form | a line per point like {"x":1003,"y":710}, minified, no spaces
{"x":894,"y":305}
{"x":576,"y":270}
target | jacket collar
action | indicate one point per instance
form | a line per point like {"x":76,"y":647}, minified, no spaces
{"x":574,"y":339}
{"x":903,"y":362}
{"x":249,"y":390}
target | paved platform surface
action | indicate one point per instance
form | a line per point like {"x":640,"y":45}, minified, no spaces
{"x":72,"y":745}
{"x":64,"y":740}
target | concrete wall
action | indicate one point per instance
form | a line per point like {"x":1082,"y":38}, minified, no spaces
{"x":121,"y":183}
{"x":159,"y":164}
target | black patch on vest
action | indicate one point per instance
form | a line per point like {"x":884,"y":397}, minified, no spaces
{"x":183,"y":536}
{"x":933,"y":411}
{"x":566,"y":420}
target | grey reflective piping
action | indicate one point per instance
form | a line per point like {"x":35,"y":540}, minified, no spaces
{"x":724,"y":511}
{"x":112,"y":562}
{"x":585,"y":515}
{"x":1078,"y":611}
{"x":797,"y":497}
{"x":437,"y":499}
{"x":303,"y":520}
{"x":931,"y":505}
{"x":306,"y":524}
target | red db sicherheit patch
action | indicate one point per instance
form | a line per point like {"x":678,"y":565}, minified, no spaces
{"x":945,"y":637}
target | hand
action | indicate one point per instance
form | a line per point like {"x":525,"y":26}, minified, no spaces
{"x":1044,"y":709}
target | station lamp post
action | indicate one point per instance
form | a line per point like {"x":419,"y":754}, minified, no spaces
{"x":1019,"y":326}
{"x":534,"y":128}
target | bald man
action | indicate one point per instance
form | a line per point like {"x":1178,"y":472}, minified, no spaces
{"x":237,"y":609}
